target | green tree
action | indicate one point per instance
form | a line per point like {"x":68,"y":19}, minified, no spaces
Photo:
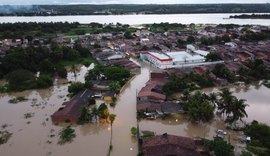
{"x":259,"y":133}
{"x":115,"y":86}
{"x":19,"y":79}
{"x":238,"y":109}
{"x":222,"y":71}
{"x":85,"y":115}
{"x":199,"y":108}
{"x":225,"y":102}
{"x":61,"y":71}
{"x":95,"y":112}
{"x":133,"y":131}
{"x":220,"y":147}
{"x":44,"y":81}
{"x":111,"y":118}
{"x":103,"y":111}
{"x":75,"y":87}
{"x":128,"y":35}
{"x":213,"y":56}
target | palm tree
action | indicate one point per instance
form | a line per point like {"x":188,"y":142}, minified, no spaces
{"x":95,"y":112}
{"x":111,"y":119}
{"x":212,"y":97}
{"x":225,"y":101}
{"x":238,"y":109}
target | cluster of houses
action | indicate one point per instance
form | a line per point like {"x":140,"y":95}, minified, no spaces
{"x":152,"y":101}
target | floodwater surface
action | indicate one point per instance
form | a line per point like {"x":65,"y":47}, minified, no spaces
{"x":37,"y":135}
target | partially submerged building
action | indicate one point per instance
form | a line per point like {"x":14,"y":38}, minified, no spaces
{"x":71,"y":110}
{"x":152,"y":101}
{"x":165,"y":145}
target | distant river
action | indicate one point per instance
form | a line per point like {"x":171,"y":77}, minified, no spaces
{"x":141,"y":19}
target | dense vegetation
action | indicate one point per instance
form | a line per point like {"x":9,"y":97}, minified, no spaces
{"x":163,"y":27}
{"x":220,"y":70}
{"x":260,"y":138}
{"x":17,"y":30}
{"x":200,"y":106}
{"x":187,"y":81}
{"x":19,"y":65}
{"x":219,"y":146}
{"x":118,"y":75}
{"x":129,"y":8}
{"x":254,"y":70}
{"x":34,"y":30}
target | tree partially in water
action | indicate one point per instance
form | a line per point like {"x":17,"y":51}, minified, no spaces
{"x":111,"y":119}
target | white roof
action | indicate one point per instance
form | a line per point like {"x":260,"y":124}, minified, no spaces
{"x":182,"y":56}
{"x":201,"y":52}
{"x":160,"y":55}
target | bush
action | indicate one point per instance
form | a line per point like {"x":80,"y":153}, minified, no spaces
{"x":133,"y":131}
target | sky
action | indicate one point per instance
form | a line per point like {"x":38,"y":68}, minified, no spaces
{"x":30,"y":2}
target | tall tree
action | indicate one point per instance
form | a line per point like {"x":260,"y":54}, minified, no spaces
{"x":111,"y":118}
{"x":225,"y":101}
{"x":238,"y":109}
{"x":95,"y":113}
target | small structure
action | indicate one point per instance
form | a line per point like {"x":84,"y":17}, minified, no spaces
{"x":165,"y":144}
{"x":71,"y":110}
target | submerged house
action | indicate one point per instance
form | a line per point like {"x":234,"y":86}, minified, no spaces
{"x":169,"y":145}
{"x":71,"y":110}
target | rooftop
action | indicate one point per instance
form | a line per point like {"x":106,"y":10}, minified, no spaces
{"x":183,"y":55}
{"x":169,"y":145}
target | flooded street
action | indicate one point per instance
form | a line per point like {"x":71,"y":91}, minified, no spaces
{"x":38,"y":136}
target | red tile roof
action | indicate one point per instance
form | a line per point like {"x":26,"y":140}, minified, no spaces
{"x":165,"y":144}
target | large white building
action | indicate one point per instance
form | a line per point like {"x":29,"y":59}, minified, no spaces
{"x":191,"y":57}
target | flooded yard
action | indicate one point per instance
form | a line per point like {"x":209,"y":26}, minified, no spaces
{"x":37,"y":135}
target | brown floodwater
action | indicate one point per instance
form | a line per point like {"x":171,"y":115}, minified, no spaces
{"x":38,"y":136}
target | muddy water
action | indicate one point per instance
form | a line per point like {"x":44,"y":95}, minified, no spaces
{"x":257,"y":97}
{"x":38,"y":136}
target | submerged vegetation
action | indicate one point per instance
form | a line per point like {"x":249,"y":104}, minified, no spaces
{"x":187,"y":82}
{"x":200,"y":106}
{"x":66,"y":135}
{"x":4,"y":136}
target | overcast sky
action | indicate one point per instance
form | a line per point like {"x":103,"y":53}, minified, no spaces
{"x":26,"y":2}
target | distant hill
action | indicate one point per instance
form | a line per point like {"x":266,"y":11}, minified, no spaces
{"x":45,"y":10}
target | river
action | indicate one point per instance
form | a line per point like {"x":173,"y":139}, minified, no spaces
{"x":38,"y":136}
{"x":140,"y":19}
